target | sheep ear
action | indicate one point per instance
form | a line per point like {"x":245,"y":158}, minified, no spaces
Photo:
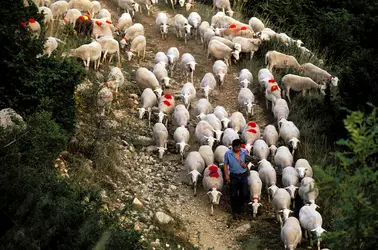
{"x":250,"y":203}
{"x":260,"y":204}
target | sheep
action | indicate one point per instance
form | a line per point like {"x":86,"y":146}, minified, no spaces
{"x":84,"y":26}
{"x":71,"y":16}
{"x":266,"y":34}
{"x":96,"y":7}
{"x":148,"y":100}
{"x":308,"y":191}
{"x":245,"y":100}
{"x":274,"y":59}
{"x":220,"y":50}
{"x":87,"y":52}
{"x":215,"y":123}
{"x":281,"y":202}
{"x":82,"y":5}
{"x":204,"y":133}
{"x":220,"y":71}
{"x":291,"y":233}
{"x":195,"y":165}
{"x":137,"y":45}
{"x":161,"y":74}
{"x":280,"y":110}
{"x":270,"y":136}
{"x":203,"y":107}
{"x":181,"y":137}
{"x":33,"y":26}
{"x":124,"y":22}
{"x":166,"y":107}
{"x":160,"y":136}
{"x":104,"y":99}
{"x":223,"y":4}
{"x":237,"y":121}
{"x":303,"y":168}
{"x":109,"y":46}
{"x":50,"y":45}
{"x":181,"y":115}
{"x":144,"y":3}
{"x":48,"y":17}
{"x":229,"y":135}
{"x":311,"y":221}
{"x":102,"y":28}
{"x":264,"y":76}
{"x":189,"y":5}
{"x":306,"y":53}
{"x":319,"y":75}
{"x":227,"y":42}
{"x":219,"y":153}
{"x":194,"y":19}
{"x":147,"y":79}
{"x":161,"y":57}
{"x":116,"y":78}
{"x":207,"y":35}
{"x":131,"y":33}
{"x":299,"y":83}
{"x":272,"y":93}
{"x":248,"y":45}
{"x":260,"y":149}
{"x":202,"y":28}
{"x":188,"y":93}
{"x":243,"y":31}
{"x":283,"y":158}
{"x":250,"y":134}
{"x":207,"y":154}
{"x":104,"y":14}
{"x":173,"y":55}
{"x":289,"y":133}
{"x":213,"y":181}
{"x":128,"y":5}
{"x":162,"y":22}
{"x":182,"y":25}
{"x":290,"y":181}
{"x":256,"y":24}
{"x":58,"y":8}
{"x":208,"y":83}
{"x":268,"y":176}
{"x":216,"y":18}
{"x":245,"y":78}
{"x":188,"y":64}
{"x":221,"y":113}
{"x":255,"y":185}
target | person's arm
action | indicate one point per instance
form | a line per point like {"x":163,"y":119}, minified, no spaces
{"x":225,"y":168}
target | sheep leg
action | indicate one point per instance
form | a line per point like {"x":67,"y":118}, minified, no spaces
{"x":267,"y":103}
{"x":104,"y":56}
{"x":191,"y":76}
{"x":211,"y":209}
{"x":149,"y":119}
{"x":98,"y":63}
{"x":110,"y":59}
{"x":177,"y":32}
{"x":88,"y":63}
{"x":304,"y":92}
{"x":252,"y":52}
{"x":144,"y":54}
{"x":288,"y":94}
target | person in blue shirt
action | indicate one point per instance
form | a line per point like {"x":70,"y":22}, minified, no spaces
{"x":235,"y":171}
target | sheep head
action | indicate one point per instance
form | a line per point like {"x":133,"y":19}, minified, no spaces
{"x":255,"y":205}
{"x":192,"y":66}
{"x":214,"y":196}
{"x":236,"y":54}
{"x":161,"y":151}
{"x":218,"y":134}
{"x":164,"y":28}
{"x":130,"y":55}
{"x":273,"y":150}
{"x":221,"y":77}
{"x":206,"y":91}
{"x":187,"y":28}
{"x":225,"y":121}
{"x":294,"y":143}
{"x":285,"y":213}
{"x":210,"y":140}
{"x":318,"y":231}
{"x":291,"y":189}
{"x":141,"y":112}
{"x":159,"y":92}
{"x":250,"y":107}
{"x":182,"y":3}
{"x":273,"y":188}
{"x":194,"y":178}
{"x":245,"y":83}
{"x":185,"y":96}
{"x":334,"y":81}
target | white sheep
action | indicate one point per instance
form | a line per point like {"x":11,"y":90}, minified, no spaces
{"x":58,"y":9}
{"x":289,"y":133}
{"x":87,"y":52}
{"x":274,"y":59}
{"x":281,"y":203}
{"x":248,"y":45}
{"x":161,"y":57}
{"x":246,"y":101}
{"x":188,"y":94}
{"x":237,"y":121}
{"x":303,"y":168}
{"x":227,"y":42}
{"x":291,"y":233}
{"x":188,"y":64}
{"x":133,"y":31}
{"x":219,"y":153}
{"x":116,"y":78}
{"x":138,"y":45}
{"x":181,"y":136}
{"x":250,"y":134}
{"x":283,"y":158}
{"x":33,"y":26}
{"x":182,"y":26}
{"x":173,"y":55}
{"x":270,"y":136}
{"x":162,"y":22}
{"x":50,"y":46}
{"x":71,"y":15}
{"x":300,"y":83}
{"x":194,"y":19}
{"x":105,"y":99}
{"x":96,"y":7}
{"x":229,"y":135}
{"x":264,"y":76}
{"x":102,"y":28}
{"x":267,"y":34}
{"x":290,"y":181}
{"x":208,"y":84}
{"x":256,"y":24}
{"x":272,"y":93}
{"x":166,"y":107}
{"x":147,"y":79}
{"x":48,"y":18}
{"x":207,"y":154}
{"x":215,"y":123}
{"x":144,"y":3}
{"x":203,"y":107}
{"x":161,"y":74}
{"x":104,"y":14}
{"x":220,"y":50}
{"x":128,"y":5}
{"x":260,"y":149}
{"x":268,"y":176}
{"x":280,"y":110}
{"x":195,"y":166}
{"x":109,"y":46}
{"x":308,"y":191}
{"x":207,"y":36}
{"x":204,"y":133}
{"x":220,"y":71}
{"x":148,"y":100}
{"x":213,"y":181}
{"x":124,"y":22}
{"x":181,"y":115}
{"x":255,"y":186}
{"x":202,"y":28}
{"x":311,"y":221}
{"x":223,"y":5}
{"x":160,"y":136}
{"x":319,"y":75}
{"x":245,"y":78}
{"x":216,"y":19}
{"x":82,"y":5}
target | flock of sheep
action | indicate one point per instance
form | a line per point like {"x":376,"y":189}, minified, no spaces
{"x":225,"y":39}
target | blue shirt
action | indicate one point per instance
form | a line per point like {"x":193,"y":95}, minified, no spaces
{"x":232,"y":161}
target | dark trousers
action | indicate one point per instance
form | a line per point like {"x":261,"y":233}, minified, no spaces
{"x":238,"y":191}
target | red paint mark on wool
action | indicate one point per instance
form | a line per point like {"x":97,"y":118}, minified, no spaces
{"x":243,"y":28}
{"x":167,"y":103}
{"x":273,"y":88}
{"x":23,"y":24}
{"x":168,"y":96}
{"x":271,"y":80}
{"x":242,"y":146}
{"x":99,"y":23}
{"x":213,"y":171}
{"x":252,"y":131}
{"x":232,"y":26}
{"x":109,"y":22}
{"x":252,"y":124}
{"x":255,"y":198}
{"x":31,"y":20}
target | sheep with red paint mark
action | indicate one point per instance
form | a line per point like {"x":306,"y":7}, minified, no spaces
{"x":131,"y":33}
{"x":272,"y":92}
{"x":250,"y":134}
{"x":166,"y":107}
{"x":213,"y":181}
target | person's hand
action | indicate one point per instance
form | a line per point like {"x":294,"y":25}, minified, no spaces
{"x":227,"y":179}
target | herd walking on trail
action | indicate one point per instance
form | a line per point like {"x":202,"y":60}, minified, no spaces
{"x":228,"y":142}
